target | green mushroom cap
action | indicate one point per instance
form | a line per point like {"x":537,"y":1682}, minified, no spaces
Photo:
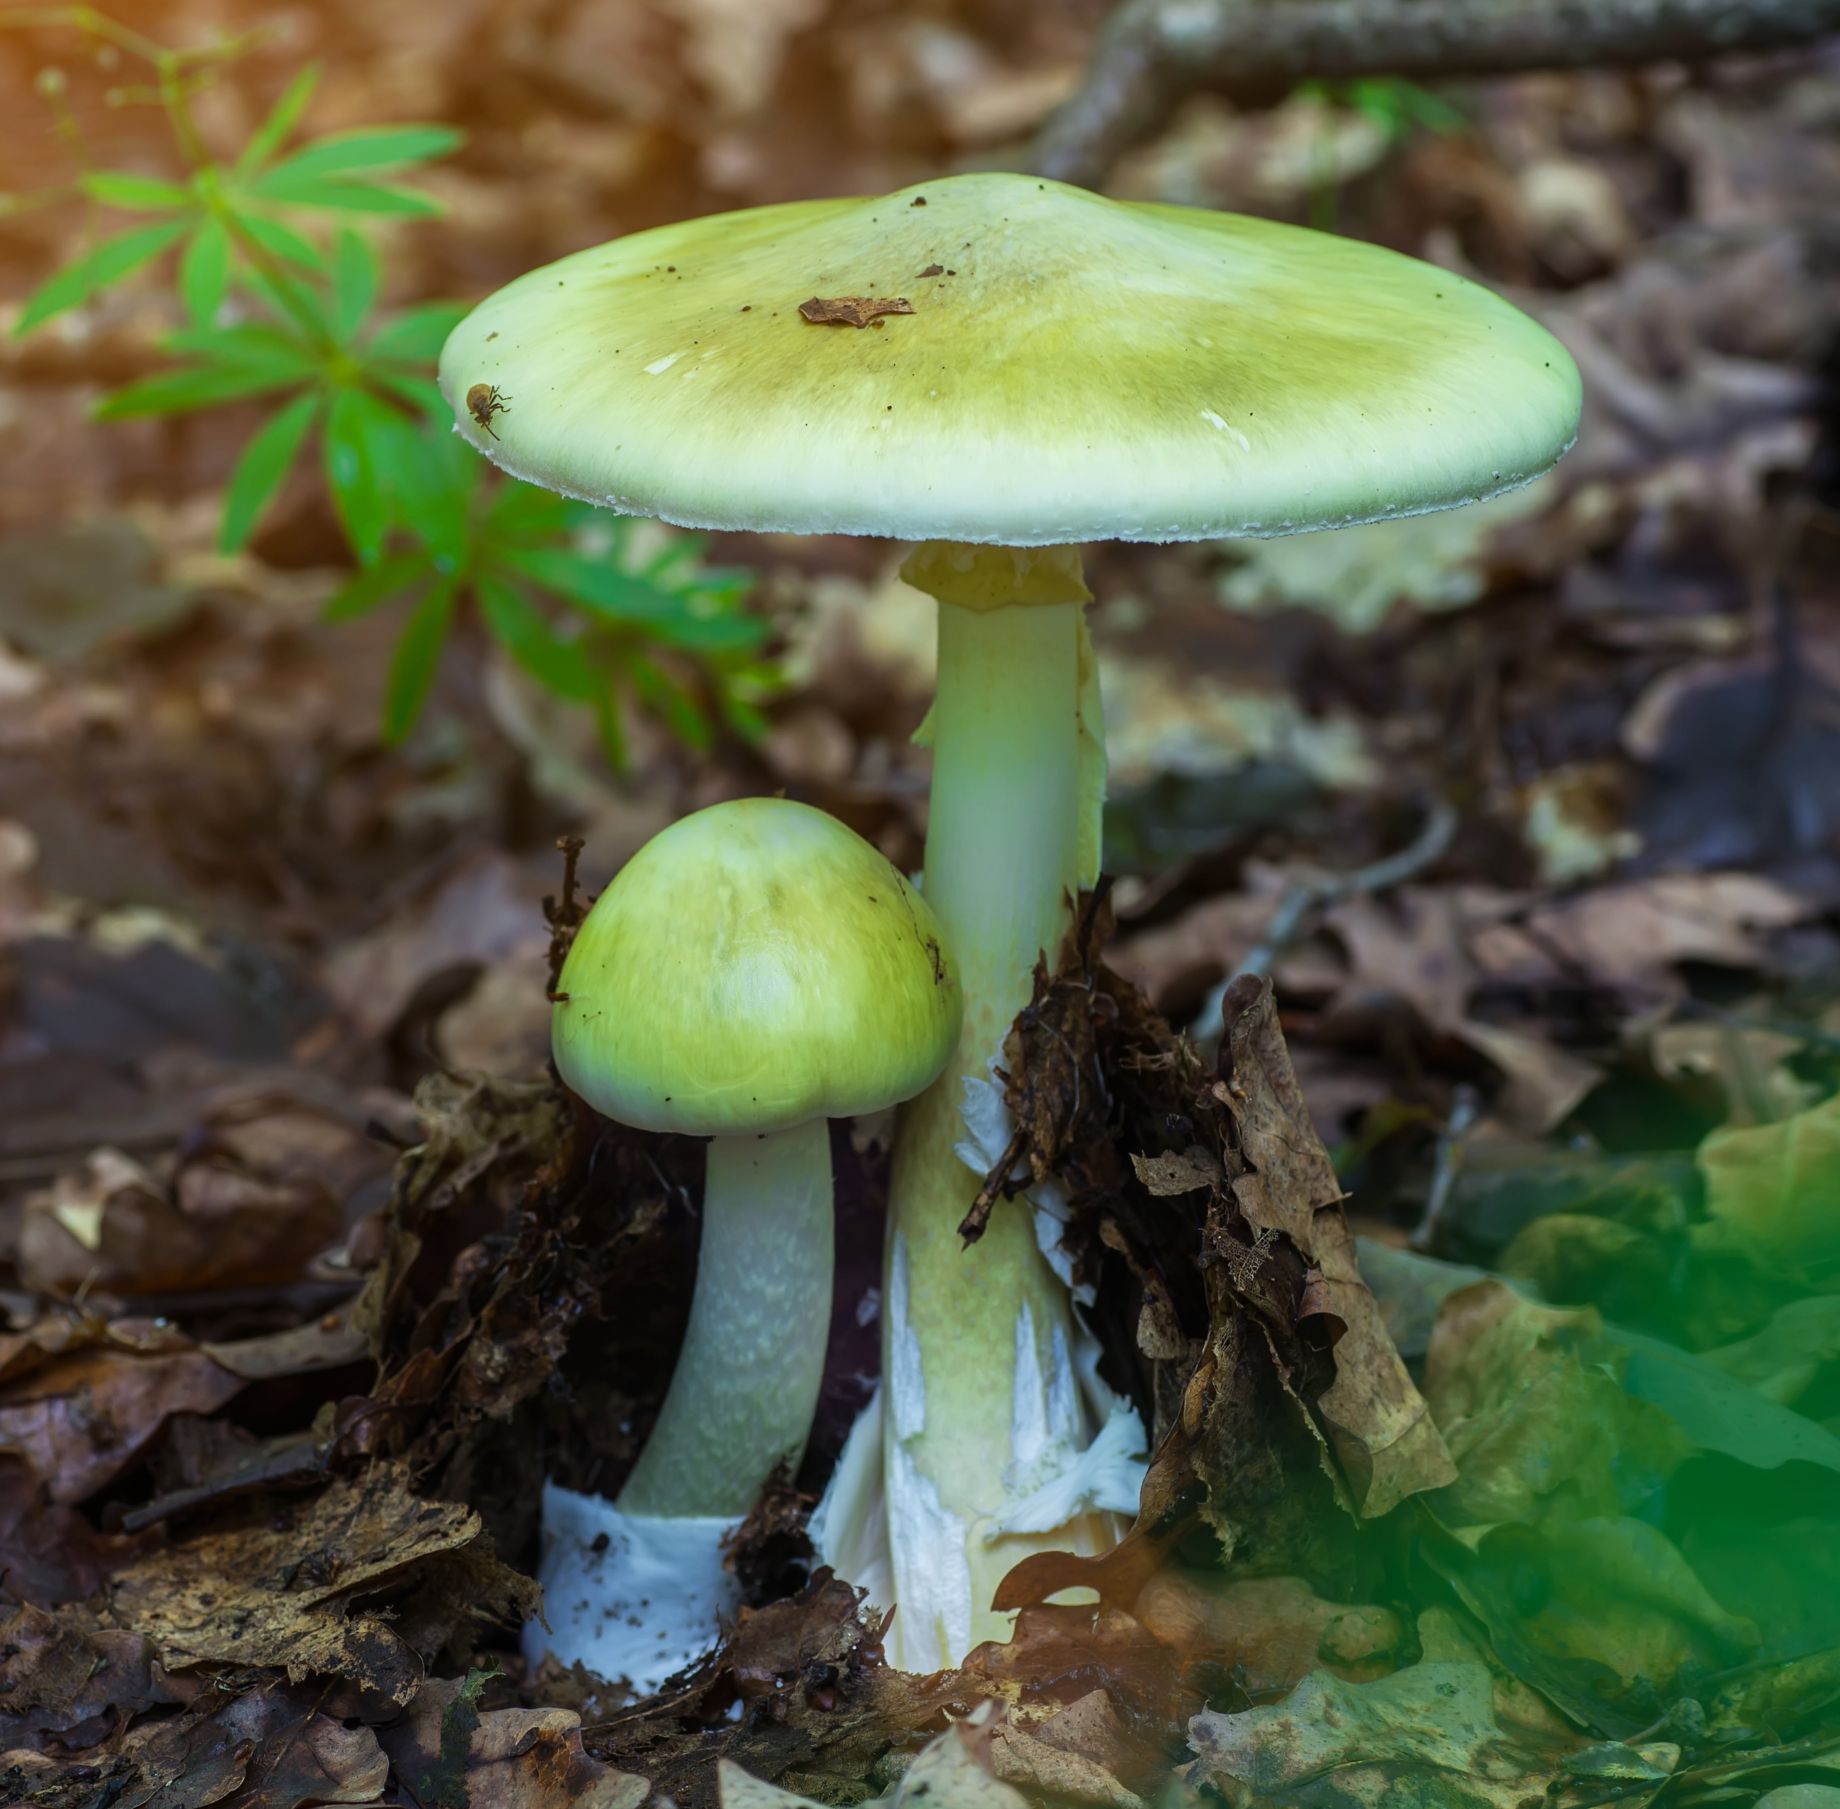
{"x":999,"y":359}
{"x":754,"y":966}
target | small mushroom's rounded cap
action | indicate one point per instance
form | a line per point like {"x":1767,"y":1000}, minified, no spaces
{"x":752,"y":967}
{"x":1039,"y":365}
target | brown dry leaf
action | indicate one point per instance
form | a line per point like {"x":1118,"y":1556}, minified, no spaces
{"x":852,"y":310}
{"x":280,"y":1587}
{"x":447,"y":1752}
{"x":82,"y":1418}
{"x":1270,"y":1631}
{"x":820,"y":1704}
{"x":1384,"y":1437}
{"x":114,"y":1225}
{"x":65,"y":1677}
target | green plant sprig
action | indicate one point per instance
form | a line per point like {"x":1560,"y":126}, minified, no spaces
{"x":279,"y":311}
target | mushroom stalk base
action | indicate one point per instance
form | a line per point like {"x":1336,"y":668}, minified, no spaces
{"x":981,"y":1399}
{"x":746,"y":1384}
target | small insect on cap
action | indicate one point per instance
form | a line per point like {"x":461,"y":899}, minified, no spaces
{"x":754,"y":966}
{"x":1001,"y":359}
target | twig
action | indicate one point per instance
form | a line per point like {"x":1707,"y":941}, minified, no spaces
{"x":563,"y":913}
{"x":1303,"y":896}
{"x":1464,"y":1111}
{"x":1153,"y":53}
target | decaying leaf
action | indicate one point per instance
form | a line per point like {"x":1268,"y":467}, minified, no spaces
{"x":448,"y":1752}
{"x":300,"y":1590}
{"x":852,"y":310}
{"x":1383,"y":1433}
{"x":1426,"y":1734}
{"x":114,"y":1224}
{"x":954,"y":1770}
{"x":818,"y":1706}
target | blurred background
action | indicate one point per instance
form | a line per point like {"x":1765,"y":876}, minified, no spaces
{"x":1586,"y":732}
{"x":1529,"y":808}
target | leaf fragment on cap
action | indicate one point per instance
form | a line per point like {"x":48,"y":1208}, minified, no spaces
{"x":852,"y":310}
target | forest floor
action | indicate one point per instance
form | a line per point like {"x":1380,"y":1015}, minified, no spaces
{"x":309,"y":1272}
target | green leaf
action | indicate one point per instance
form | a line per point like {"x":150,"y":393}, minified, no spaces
{"x":520,"y":628}
{"x":434,"y":490}
{"x":282,"y":118}
{"x":194,"y":386}
{"x":671,"y":701}
{"x":135,"y":194}
{"x":288,"y":298}
{"x":417,"y":334}
{"x":374,"y":585}
{"x":363,"y":437}
{"x":612,"y":733}
{"x":204,"y":271}
{"x":522,"y":513}
{"x":417,"y":654}
{"x":260,"y":471}
{"x":375,"y":148}
{"x":280,"y":240}
{"x":345,"y":196}
{"x":619,"y":596}
{"x":420,"y":393}
{"x":246,"y":344}
{"x":95,"y":270}
{"x":354,"y":282}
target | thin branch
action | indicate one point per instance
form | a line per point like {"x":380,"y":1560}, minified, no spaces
{"x":1306,"y":896}
{"x":1153,"y":53}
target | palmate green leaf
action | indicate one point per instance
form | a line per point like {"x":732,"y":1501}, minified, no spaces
{"x":195,"y":386}
{"x":136,"y":194}
{"x":354,"y":282}
{"x":98,"y":268}
{"x":523,"y":514}
{"x":417,"y":334}
{"x":280,"y":240}
{"x":433,"y":479}
{"x":345,"y":196}
{"x":282,"y":118}
{"x":420,"y":393}
{"x":365,"y":439}
{"x":298,"y":298}
{"x":370,"y":148}
{"x":261,"y":470}
{"x":519,"y":626}
{"x":204,"y":271}
{"x":374,"y":586}
{"x":417,"y":654}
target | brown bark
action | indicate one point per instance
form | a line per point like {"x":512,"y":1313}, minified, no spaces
{"x":1152,"y":53}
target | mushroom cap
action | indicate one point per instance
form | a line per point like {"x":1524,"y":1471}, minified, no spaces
{"x":754,"y":966}
{"x":1073,"y":368}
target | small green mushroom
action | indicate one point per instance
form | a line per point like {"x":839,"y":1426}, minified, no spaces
{"x":754,"y":971}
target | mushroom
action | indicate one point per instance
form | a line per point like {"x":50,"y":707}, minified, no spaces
{"x":754,"y":971}
{"x":1001,"y":368}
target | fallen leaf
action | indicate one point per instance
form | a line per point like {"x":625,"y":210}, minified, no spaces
{"x":298,"y":1588}
{"x":449,"y":1753}
{"x":1771,"y":1188}
{"x":1427,"y":1733}
{"x":852,"y":310}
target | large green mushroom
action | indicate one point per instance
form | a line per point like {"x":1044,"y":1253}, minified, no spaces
{"x":1001,"y":368}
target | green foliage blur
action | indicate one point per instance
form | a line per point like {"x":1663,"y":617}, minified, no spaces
{"x":279,"y":289}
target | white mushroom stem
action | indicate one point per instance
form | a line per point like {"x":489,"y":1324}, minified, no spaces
{"x":982,"y":1405}
{"x":746,"y":1384}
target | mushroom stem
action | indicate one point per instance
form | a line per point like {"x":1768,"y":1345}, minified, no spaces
{"x":746,"y":1384}
{"x":981,"y":1397}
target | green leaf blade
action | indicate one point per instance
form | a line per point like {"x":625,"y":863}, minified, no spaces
{"x":374,"y":586}
{"x":355,"y":276}
{"x":371,"y":148}
{"x":97,"y":269}
{"x":412,"y":667}
{"x":282,"y":118}
{"x":204,"y":272}
{"x":261,"y":470}
{"x":135,"y":194}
